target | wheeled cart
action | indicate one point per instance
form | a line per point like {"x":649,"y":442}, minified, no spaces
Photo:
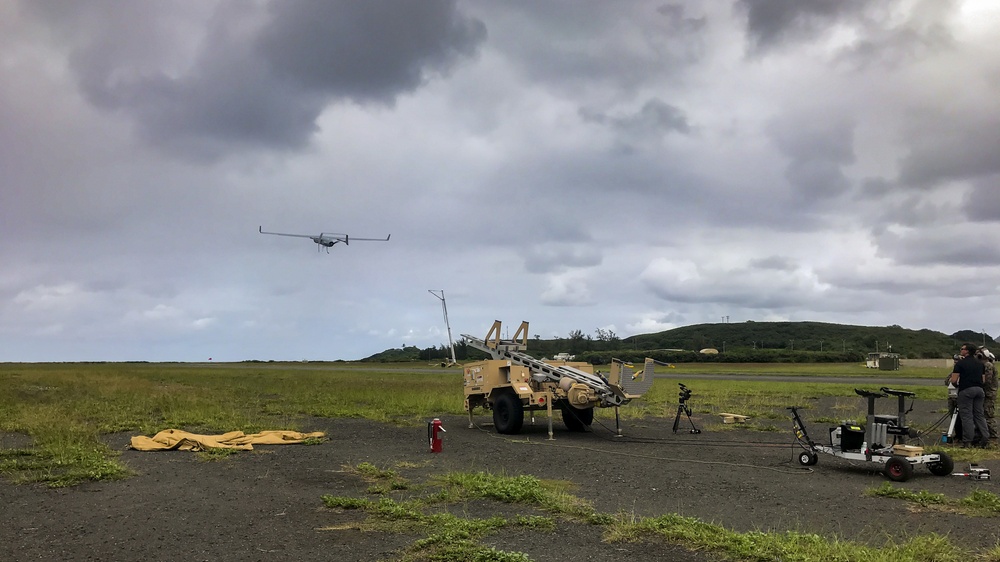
{"x":882,"y":441}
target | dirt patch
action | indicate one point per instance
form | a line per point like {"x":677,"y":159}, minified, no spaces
{"x":265,"y":504}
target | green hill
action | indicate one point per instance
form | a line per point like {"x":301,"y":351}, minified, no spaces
{"x":737,"y":342}
{"x":809,"y":336}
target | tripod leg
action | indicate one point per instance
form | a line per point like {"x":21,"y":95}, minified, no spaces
{"x":951,"y":427}
{"x":677,"y":418}
{"x":693,"y":428}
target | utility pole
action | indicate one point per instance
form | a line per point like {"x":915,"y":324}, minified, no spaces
{"x":444,"y":307}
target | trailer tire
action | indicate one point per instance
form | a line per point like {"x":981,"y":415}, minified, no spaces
{"x":942,"y":467}
{"x":808,"y":458}
{"x":898,"y":469}
{"x":577,"y":419}
{"x":508,"y":414}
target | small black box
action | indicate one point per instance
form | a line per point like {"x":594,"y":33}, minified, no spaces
{"x":852,"y":437}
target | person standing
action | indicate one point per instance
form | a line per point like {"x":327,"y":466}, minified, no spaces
{"x":969,"y":374}
{"x":989,"y":390}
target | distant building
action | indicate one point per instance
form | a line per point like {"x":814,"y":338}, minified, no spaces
{"x":883,"y":361}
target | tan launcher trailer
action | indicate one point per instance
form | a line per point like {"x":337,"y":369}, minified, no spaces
{"x":513,"y":381}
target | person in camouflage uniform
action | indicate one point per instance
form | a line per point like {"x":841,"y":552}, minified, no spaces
{"x":952,"y":390}
{"x":990,"y":389}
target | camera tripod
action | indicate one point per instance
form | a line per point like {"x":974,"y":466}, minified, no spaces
{"x":682,"y":407}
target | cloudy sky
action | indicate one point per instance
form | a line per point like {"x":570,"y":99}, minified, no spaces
{"x":580,"y":164}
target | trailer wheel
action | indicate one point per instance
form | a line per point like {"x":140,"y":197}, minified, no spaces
{"x":508,"y":414}
{"x":577,"y":419}
{"x":942,"y":467}
{"x":898,"y":469}
{"x":808,"y":458}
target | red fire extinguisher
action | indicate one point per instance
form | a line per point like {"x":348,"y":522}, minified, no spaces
{"x":434,"y":431}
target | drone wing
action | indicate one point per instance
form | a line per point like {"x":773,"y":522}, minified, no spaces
{"x":347,"y":239}
{"x":313,"y":236}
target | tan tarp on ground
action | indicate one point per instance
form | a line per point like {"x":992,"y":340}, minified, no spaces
{"x":175,"y":439}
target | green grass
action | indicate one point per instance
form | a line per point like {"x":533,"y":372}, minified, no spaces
{"x":789,"y":546}
{"x":65,"y":408}
{"x":524,"y":489}
{"x":979,"y":503}
{"x":216,"y":454}
{"x":382,"y":481}
{"x":448,"y":538}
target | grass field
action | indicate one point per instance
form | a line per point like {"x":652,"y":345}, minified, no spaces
{"x":60,"y":411}
{"x":65,"y":407}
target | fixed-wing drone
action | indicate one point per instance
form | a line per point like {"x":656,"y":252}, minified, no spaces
{"x":326,"y":239}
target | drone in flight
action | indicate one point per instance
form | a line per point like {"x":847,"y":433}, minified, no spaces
{"x":326,"y":239}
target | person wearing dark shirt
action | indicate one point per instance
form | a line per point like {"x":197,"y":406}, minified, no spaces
{"x":969,"y":375}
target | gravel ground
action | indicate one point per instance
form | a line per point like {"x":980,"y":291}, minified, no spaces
{"x":265,"y":504}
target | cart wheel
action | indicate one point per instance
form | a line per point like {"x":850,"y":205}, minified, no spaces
{"x":898,"y":469}
{"x":942,"y":467}
{"x":808,"y":458}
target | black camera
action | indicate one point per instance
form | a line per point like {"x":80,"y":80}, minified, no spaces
{"x":685,"y":392}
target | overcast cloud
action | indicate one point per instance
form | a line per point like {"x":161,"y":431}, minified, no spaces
{"x":580,"y":165}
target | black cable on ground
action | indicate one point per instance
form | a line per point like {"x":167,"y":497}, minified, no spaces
{"x":802,"y":470}
{"x":673,"y":441}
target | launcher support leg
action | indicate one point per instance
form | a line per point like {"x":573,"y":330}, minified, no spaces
{"x":471,"y":425}
{"x":548,"y":408}
{"x":618,"y":425}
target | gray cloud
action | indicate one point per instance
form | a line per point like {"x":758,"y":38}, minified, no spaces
{"x":777,"y":263}
{"x":654,"y":117}
{"x":818,"y":149}
{"x":564,"y":44}
{"x":845,"y":163}
{"x":891,"y":47}
{"x":261,"y":78}
{"x":366,"y":51}
{"x":955,"y":247}
{"x":952,"y":147}
{"x":549,"y":258}
{"x":983,"y":202}
{"x":913,"y":212}
{"x":751,"y":288}
{"x":773,"y":22}
{"x":883,"y":34}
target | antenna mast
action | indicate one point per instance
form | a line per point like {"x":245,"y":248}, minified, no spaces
{"x":444,"y":307}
